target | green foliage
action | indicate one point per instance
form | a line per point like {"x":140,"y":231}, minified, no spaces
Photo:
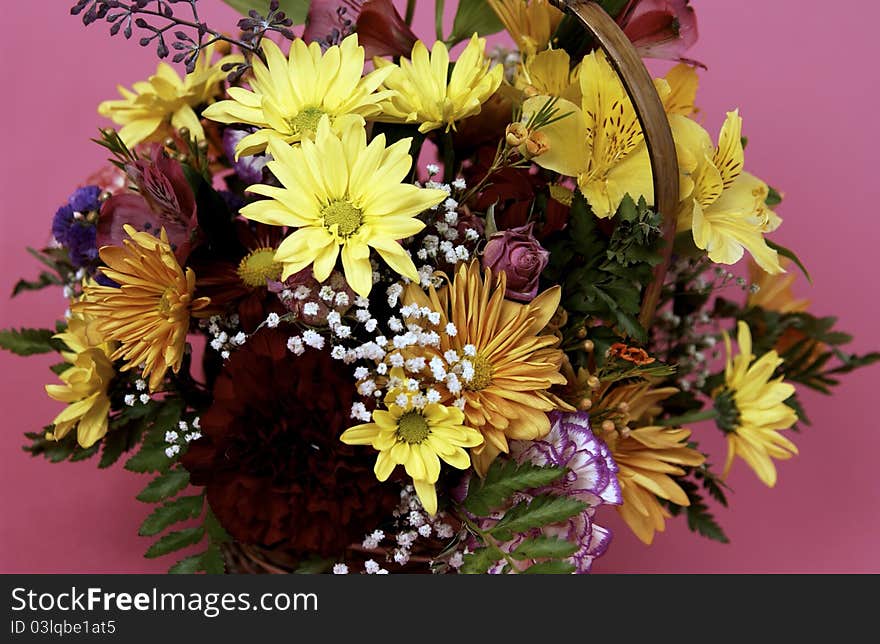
{"x":550,"y":568}
{"x":774,"y":197}
{"x":699,"y":518}
{"x":790,"y":254}
{"x":151,"y":457}
{"x":503,"y":479}
{"x":473,"y":16}
{"x":480,"y":560}
{"x":175,"y":541}
{"x":45,"y":279}
{"x":28,"y":342}
{"x":181,"y":509}
{"x":164,"y":486}
{"x":296,"y":10}
{"x":603,"y":273}
{"x":541,"y":511}
{"x":544,"y":547}
{"x":55,"y":451}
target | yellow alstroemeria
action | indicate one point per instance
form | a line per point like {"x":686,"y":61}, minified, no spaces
{"x":290,"y":94}
{"x":422,"y":93}
{"x":86,"y":382}
{"x":531,"y":23}
{"x":165,"y":102}
{"x":601,"y":142}
{"x":727,"y":208}
{"x":549,"y":73}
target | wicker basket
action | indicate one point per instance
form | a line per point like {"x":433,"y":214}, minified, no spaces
{"x":246,"y":559}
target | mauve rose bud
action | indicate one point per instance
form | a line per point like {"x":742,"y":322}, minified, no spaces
{"x":521,"y":257}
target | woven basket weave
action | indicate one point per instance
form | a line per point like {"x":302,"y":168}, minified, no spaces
{"x":246,"y":559}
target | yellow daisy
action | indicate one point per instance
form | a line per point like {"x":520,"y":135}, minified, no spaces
{"x":600,"y":142}
{"x":422,"y":93}
{"x":726,"y":208}
{"x":416,"y":438}
{"x":649,"y":457}
{"x":514,"y":366}
{"x":289,"y":95}
{"x":165,"y":102}
{"x":86,"y":382}
{"x":339,"y":192}
{"x":531,"y":23}
{"x":751,"y":409}
{"x":149,"y":313}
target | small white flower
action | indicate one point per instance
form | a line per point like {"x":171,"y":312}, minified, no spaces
{"x":171,"y":436}
{"x":360,"y":373}
{"x":313,"y":339}
{"x":239,"y":338}
{"x":182,"y":426}
{"x":172,"y":450}
{"x":216,"y":344}
{"x":451,"y":356}
{"x":451,"y":331}
{"x":471,"y":234}
{"x":452,"y":383}
{"x":462,"y":253}
{"x":395,"y":325}
{"x":396,"y":360}
{"x":433,"y":169}
{"x":340,"y":569}
{"x":362,"y":315}
{"x":459,"y":184}
{"x":422,"y":254}
{"x":326,"y":293}
{"x":302,"y":292}
{"x":416,"y":519}
{"x":193,"y":436}
{"x":470,"y":350}
{"x":333,"y":318}
{"x":456,"y":560}
{"x":443,"y":530}
{"x":342,"y":299}
{"x":432,"y":395}
{"x":129,"y":400}
{"x":415,"y":364}
{"x":342,"y":331}
{"x":144,"y":398}
{"x":402,"y":400}
{"x":337,"y":352}
{"x":197,"y":422}
{"x":401,"y":557}
{"x":224,"y":354}
{"x":366,"y":388}
{"x":381,"y":368}
{"x":371,"y":325}
{"x":450,"y":204}
{"x":425,"y":530}
{"x":310,"y":308}
{"x":467,"y":370}
{"x":295,"y":344}
{"x":140,"y":384}
{"x":272,"y":320}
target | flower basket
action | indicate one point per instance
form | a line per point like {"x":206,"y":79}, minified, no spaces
{"x":456,"y":368}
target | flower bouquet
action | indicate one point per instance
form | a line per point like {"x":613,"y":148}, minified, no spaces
{"x":364,"y":302}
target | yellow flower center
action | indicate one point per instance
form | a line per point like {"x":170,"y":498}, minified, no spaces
{"x":343,"y":214}
{"x":306,"y":122}
{"x":258,"y":266}
{"x":412,"y":427}
{"x":482,"y":374}
{"x":165,"y":302}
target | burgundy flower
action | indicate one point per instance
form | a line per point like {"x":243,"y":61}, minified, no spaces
{"x":517,"y":253}
{"x":164,"y":200}
{"x":274,"y":470}
{"x":380,"y":28}
{"x":660,"y":28}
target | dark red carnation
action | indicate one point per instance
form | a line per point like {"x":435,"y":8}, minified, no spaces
{"x":275,"y":473}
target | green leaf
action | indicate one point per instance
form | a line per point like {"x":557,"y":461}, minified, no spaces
{"x":473,"y":16}
{"x":164,"y":486}
{"x":544,"y":547}
{"x":60,"y":368}
{"x":543,"y":510}
{"x":774,"y":197}
{"x":785,"y":252}
{"x":613,"y":7}
{"x":115,"y":442}
{"x":213,"y":562}
{"x":296,"y":10}
{"x":188,"y":565}
{"x":216,"y":532}
{"x":550,"y":568}
{"x":150,"y":458}
{"x":502,"y":480}
{"x":45,"y":279}
{"x":313,"y":565}
{"x":81,"y":454}
{"x":175,"y":541}
{"x":28,"y":342}
{"x":186,"y":507}
{"x":480,"y":560}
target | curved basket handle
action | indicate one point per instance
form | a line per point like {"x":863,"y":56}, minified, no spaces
{"x":655,"y":125}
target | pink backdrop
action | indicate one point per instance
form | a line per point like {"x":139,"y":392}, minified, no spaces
{"x":801,"y":76}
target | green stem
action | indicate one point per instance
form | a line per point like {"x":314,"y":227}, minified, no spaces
{"x":410,"y":11}
{"x":693,"y":417}
{"x":439,"y":6}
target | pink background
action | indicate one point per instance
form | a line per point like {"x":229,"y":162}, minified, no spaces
{"x":804,"y":78}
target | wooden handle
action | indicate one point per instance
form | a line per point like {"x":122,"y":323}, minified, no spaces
{"x":655,"y":125}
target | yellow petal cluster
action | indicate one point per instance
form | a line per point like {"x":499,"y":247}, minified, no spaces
{"x":345,"y":197}
{"x":531,"y":23}
{"x":149,"y":313}
{"x":425,"y":92}
{"x":86,"y":382}
{"x":165,"y":102}
{"x":289,"y":95}
{"x":417,"y":438}
{"x":752,"y":408}
{"x":514,"y":364}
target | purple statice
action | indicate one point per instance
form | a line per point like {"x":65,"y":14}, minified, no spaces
{"x":250,"y":168}
{"x":75,"y":226}
{"x":590,"y":477}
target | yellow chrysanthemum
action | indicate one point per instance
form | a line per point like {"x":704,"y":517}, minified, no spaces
{"x":149,"y":313}
{"x":751,"y":408}
{"x":416,"y":438}
{"x":549,"y":73}
{"x":531,"y":23}
{"x":165,"y":102}
{"x":86,"y":382}
{"x":508,"y":395}
{"x":339,"y":192}
{"x":774,"y":291}
{"x":727,"y":207}
{"x":289,"y":95}
{"x":600,"y":143}
{"x":649,"y":457}
{"x":425,"y":92}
